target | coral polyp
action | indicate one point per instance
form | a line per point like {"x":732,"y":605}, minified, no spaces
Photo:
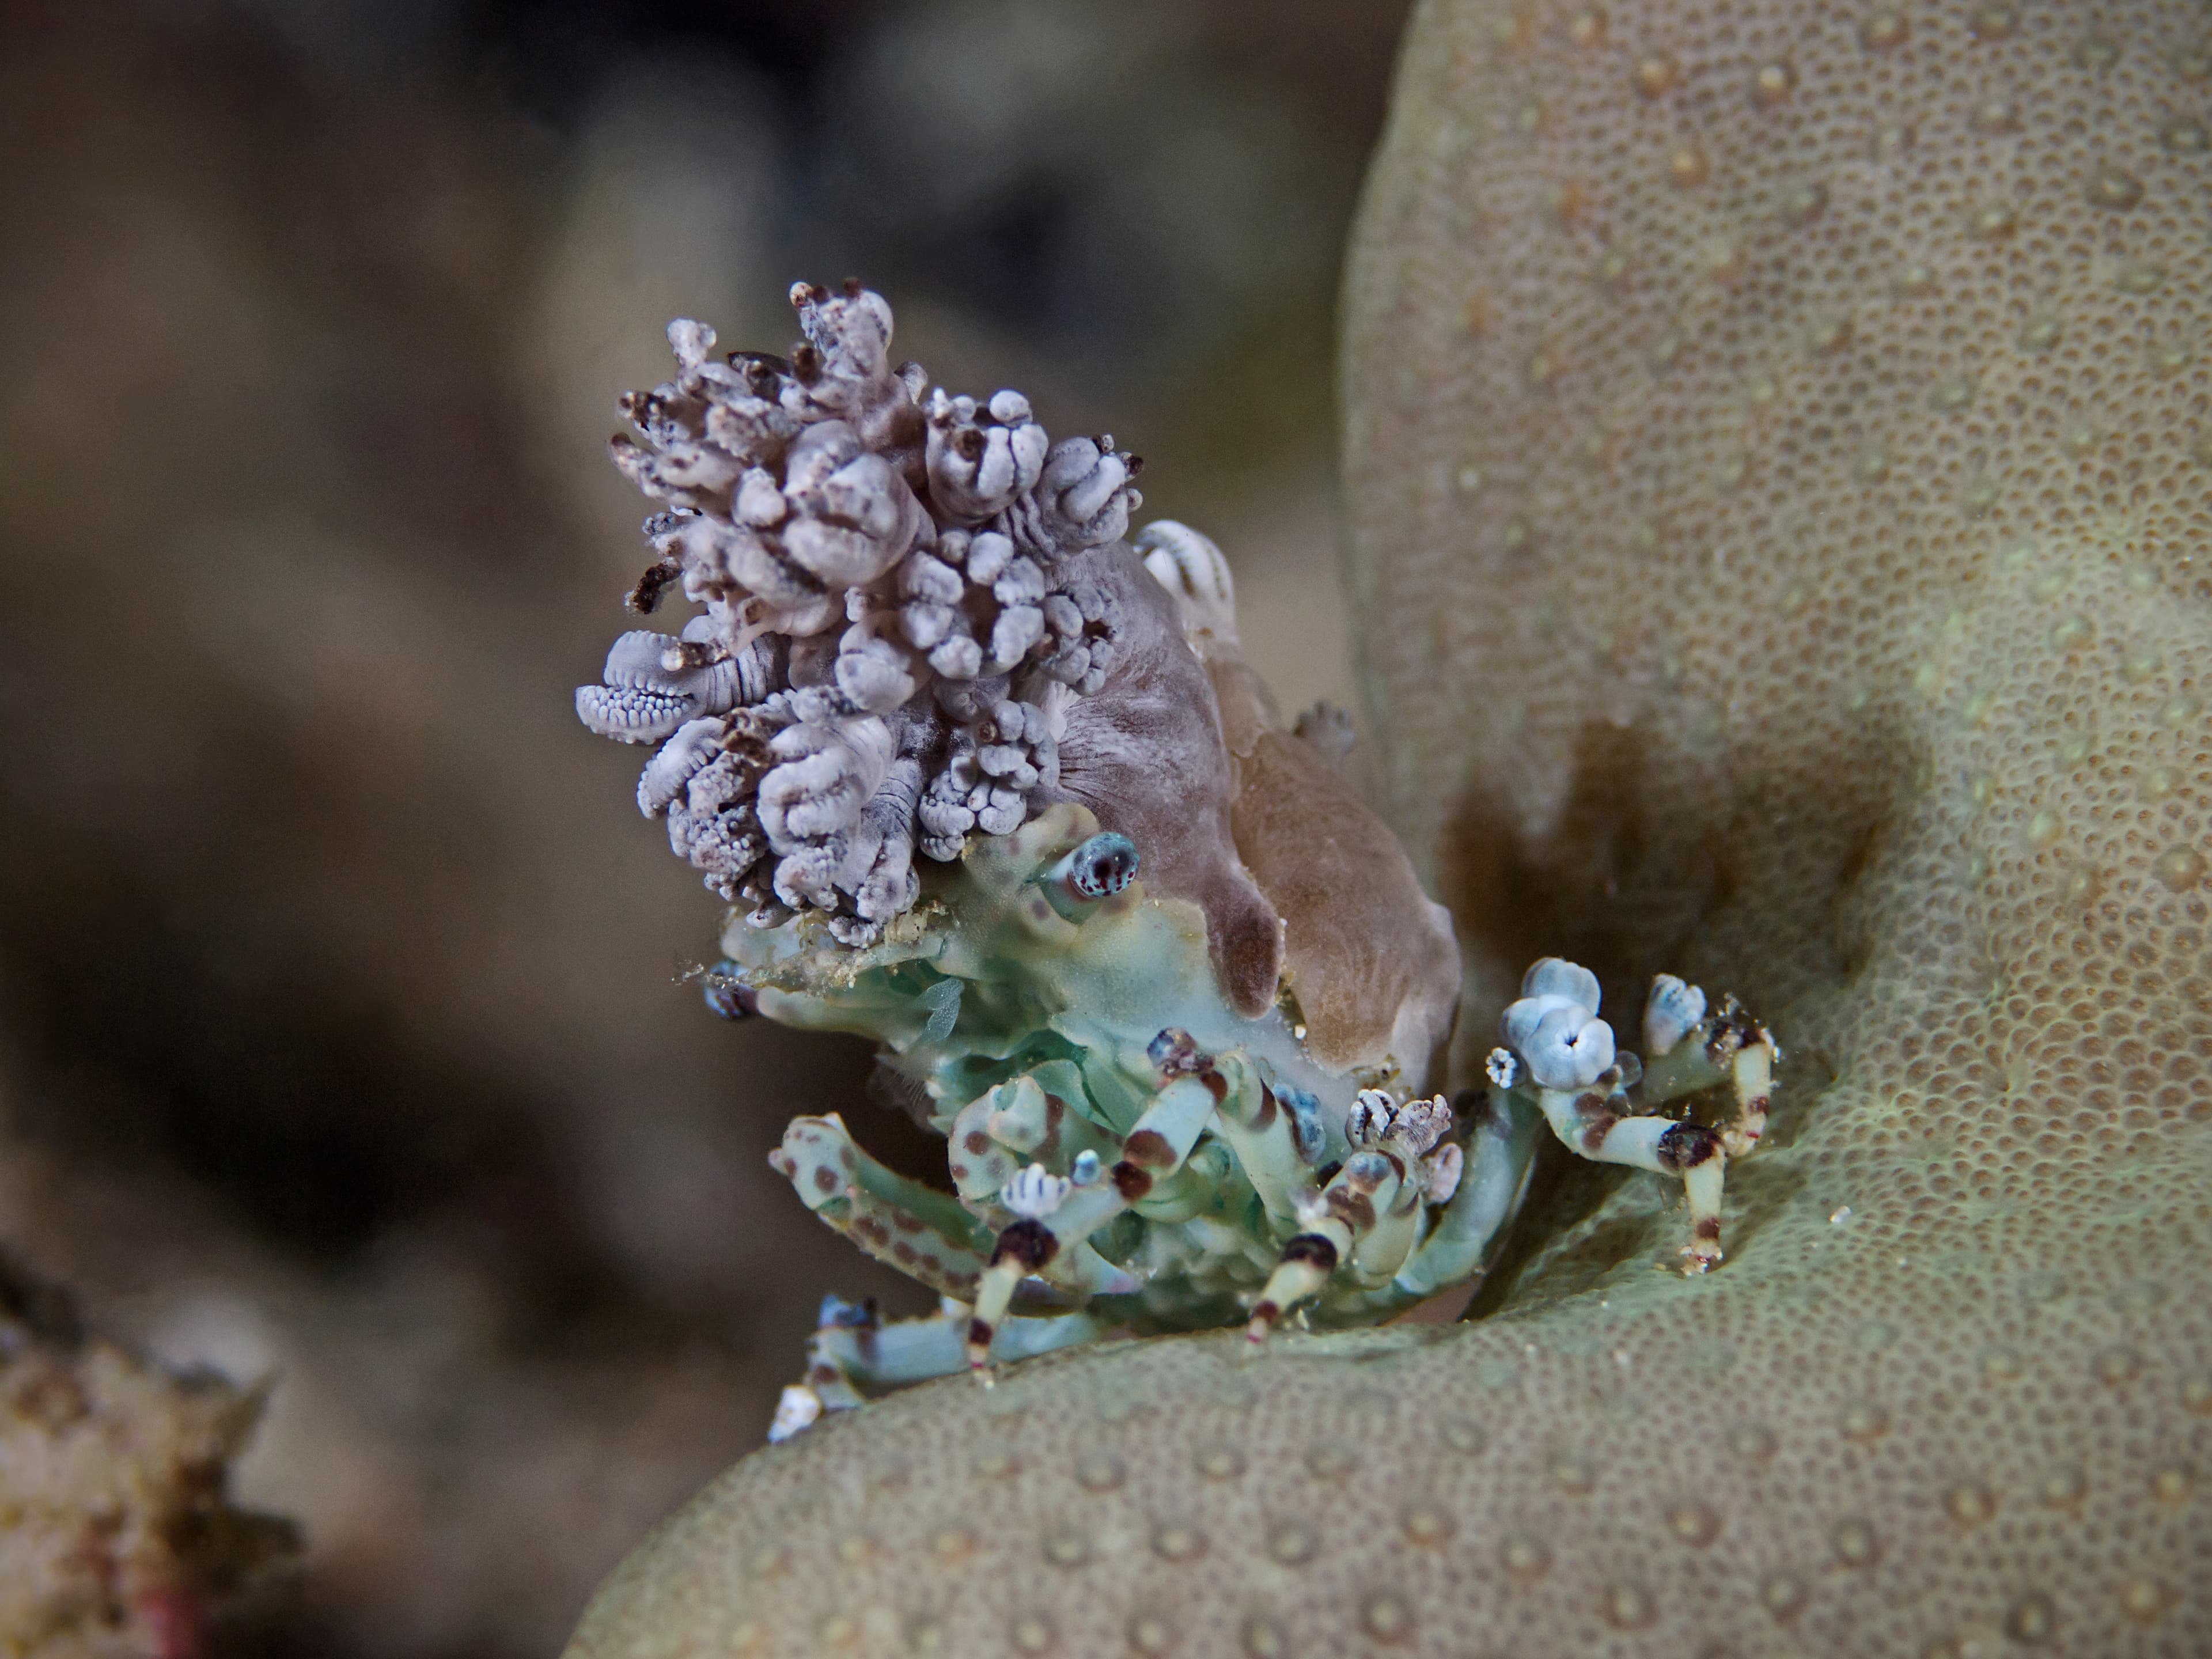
{"x":1029,"y":821}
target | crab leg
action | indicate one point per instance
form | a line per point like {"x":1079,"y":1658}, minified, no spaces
{"x":1337,"y":1224}
{"x":854,"y":1357}
{"x":1082,"y":1272}
{"x":897,"y":1220}
{"x":1262,"y":1132}
{"x":1500,"y":1156}
{"x":1154,"y":1150}
{"x":1384,"y":1248}
{"x":1595,"y":1123}
{"x":1685,"y":1050}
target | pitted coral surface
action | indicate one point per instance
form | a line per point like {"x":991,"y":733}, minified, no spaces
{"x":1780,"y":486}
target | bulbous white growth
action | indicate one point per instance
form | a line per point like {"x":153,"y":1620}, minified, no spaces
{"x":877,"y":672}
{"x":1569,"y":1049}
{"x":1555,"y":1027}
{"x":1190,"y":566}
{"x":1557,"y":976}
{"x":680,"y":759}
{"x":828,"y":771}
{"x":1673,"y":1013}
{"x":650,"y":686}
{"x":1035,"y":1192}
{"x":978,"y":466}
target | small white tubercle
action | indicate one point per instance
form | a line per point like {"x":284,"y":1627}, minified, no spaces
{"x":1034,"y":1193}
{"x":1502,"y":1068}
{"x":1674,"y":1012}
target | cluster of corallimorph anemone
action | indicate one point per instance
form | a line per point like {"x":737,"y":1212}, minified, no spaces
{"x":901,"y":606}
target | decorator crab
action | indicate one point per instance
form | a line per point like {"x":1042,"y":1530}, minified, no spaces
{"x":996,"y":789}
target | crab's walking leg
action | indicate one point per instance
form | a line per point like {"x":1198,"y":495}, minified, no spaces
{"x":993,"y":1134}
{"x":1262,"y":1132}
{"x":1079,"y":1270}
{"x":921,"y":1231}
{"x":853,"y":1358}
{"x":1686,"y":1050}
{"x":1307,"y":1262}
{"x":1595,"y":1123}
{"x":1380,"y":1251}
{"x":1500,"y":1156}
{"x":1364,"y":1192}
{"x":871,"y":1359}
{"x":1154,"y":1148}
{"x":1751,"y":1068}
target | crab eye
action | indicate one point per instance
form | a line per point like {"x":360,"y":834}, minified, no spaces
{"x":1096,"y":870}
{"x":1101,"y":868}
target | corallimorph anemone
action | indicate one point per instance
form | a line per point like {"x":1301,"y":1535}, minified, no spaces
{"x":920,"y":622}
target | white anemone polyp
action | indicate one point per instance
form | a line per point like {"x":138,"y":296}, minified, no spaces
{"x":1570,"y":1047}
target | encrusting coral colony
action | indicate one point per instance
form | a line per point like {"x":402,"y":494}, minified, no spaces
{"x":119,"y":1534}
{"x":999,"y":791}
{"x":1779,"y":450}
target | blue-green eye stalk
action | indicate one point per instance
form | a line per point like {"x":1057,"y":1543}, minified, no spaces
{"x":932,"y":717}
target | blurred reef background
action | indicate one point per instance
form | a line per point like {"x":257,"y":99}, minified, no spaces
{"x":340,"y":1045}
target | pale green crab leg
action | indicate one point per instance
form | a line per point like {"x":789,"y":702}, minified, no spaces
{"x":1563,"y":1054}
{"x":1055,"y":1214}
{"x":1366,"y":1222}
{"x":854,"y":1357}
{"x":922,"y":1232}
{"x":1500,"y":1157}
{"x":1263,"y":1130}
{"x":1596,"y":1122}
{"x":1343,"y":1217}
{"x":991,"y":1136}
